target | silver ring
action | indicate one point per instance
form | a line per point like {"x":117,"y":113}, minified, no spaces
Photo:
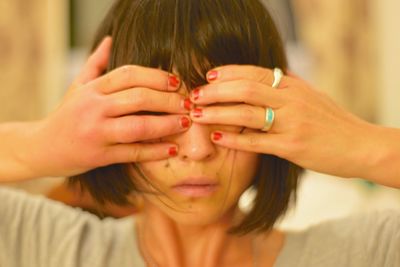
{"x":278,"y":74}
{"x":269,"y":119}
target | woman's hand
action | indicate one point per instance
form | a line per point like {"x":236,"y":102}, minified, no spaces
{"x":94,"y":125}
{"x":309,"y":128}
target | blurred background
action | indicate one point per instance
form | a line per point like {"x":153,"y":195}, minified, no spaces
{"x":349,"y":49}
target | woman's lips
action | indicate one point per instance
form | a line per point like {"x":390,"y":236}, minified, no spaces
{"x":196,"y":187}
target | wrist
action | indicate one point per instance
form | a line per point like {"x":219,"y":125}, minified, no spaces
{"x":13,"y":151}
{"x":27,"y":151}
{"x":382,"y":156}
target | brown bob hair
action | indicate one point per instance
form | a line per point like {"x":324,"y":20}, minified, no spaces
{"x":174,"y":34}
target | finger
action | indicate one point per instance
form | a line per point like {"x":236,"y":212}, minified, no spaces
{"x":130,"y":129}
{"x":238,"y":72}
{"x":245,"y":91}
{"x":262,"y":143}
{"x":136,"y":76}
{"x":97,"y":62}
{"x":239,"y":115}
{"x":124,"y":153}
{"x":293,"y":75}
{"x":144,"y":99}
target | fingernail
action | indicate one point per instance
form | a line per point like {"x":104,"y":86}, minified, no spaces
{"x":173,"y":151}
{"x":196,"y":93}
{"x":173,"y":81}
{"x":217,"y":136}
{"x":197,"y":112}
{"x":185,"y":122}
{"x":212,"y":75}
{"x":187,"y":104}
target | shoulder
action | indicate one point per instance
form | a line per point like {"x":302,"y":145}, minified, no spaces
{"x":19,"y":207}
{"x":71,"y":236}
{"x":371,"y":239}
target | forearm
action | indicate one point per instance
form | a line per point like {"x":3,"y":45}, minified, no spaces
{"x":16,"y":154}
{"x":382,"y":158}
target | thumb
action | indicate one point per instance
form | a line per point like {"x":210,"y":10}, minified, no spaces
{"x":97,"y":62}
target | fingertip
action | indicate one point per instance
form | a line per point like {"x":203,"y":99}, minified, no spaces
{"x":213,"y":75}
{"x":173,"y":82}
{"x":103,"y":51}
{"x":105,"y":44}
{"x":217,"y":136}
{"x":173,"y":151}
{"x":97,"y":62}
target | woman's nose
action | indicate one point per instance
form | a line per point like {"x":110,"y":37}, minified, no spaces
{"x":195,"y":143}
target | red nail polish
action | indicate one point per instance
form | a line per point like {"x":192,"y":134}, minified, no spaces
{"x":173,"y":81}
{"x":173,"y":151}
{"x":187,"y":104}
{"x":197,"y":112}
{"x":217,"y":136}
{"x":212,"y":75}
{"x":185,"y":122}
{"x":196,"y":94}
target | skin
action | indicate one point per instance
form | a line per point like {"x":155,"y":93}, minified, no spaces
{"x":101,"y":106}
{"x":176,"y":230}
{"x":306,"y":121}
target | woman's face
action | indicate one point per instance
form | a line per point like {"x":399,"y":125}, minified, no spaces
{"x":203,"y":182}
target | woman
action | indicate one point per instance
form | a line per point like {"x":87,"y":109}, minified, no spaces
{"x":197,"y":191}
{"x":190,"y":215}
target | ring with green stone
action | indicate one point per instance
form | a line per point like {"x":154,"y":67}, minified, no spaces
{"x":269,"y":119}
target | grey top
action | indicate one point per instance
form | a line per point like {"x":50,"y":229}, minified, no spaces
{"x":37,"y":232}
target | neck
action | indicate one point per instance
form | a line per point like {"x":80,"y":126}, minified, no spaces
{"x":168,"y":243}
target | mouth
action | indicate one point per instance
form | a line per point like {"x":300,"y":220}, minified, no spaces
{"x":196,"y":187}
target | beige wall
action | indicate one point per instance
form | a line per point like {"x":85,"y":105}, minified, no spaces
{"x":342,"y":38}
{"x":356,"y":47}
{"x":32,"y":52}
{"x":387,"y":21}
{"x":33,"y":49}
{"x":89,"y":13}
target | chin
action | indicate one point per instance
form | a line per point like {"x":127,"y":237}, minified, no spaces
{"x":199,"y":215}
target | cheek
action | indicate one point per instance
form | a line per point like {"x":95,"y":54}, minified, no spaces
{"x":156,"y":175}
{"x":154,"y":169}
{"x":245,"y":168}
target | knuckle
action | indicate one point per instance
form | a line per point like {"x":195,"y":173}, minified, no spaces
{"x":108,"y":80}
{"x":217,"y":90}
{"x":213,"y":113}
{"x":171,"y":101}
{"x":302,"y":127}
{"x":125,"y":131}
{"x":129,"y":73}
{"x":117,"y":131}
{"x":135,"y":154}
{"x":248,"y":89}
{"x":104,"y":105}
{"x":89,"y":133}
{"x":263,"y":75}
{"x":253,"y":141}
{"x":98,"y":158}
{"x":139,"y":128}
{"x":293,"y":147}
{"x":230,"y":70}
{"x":247,"y":113}
{"x":299,"y":106}
{"x":139,"y":97}
{"x":247,"y":84}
